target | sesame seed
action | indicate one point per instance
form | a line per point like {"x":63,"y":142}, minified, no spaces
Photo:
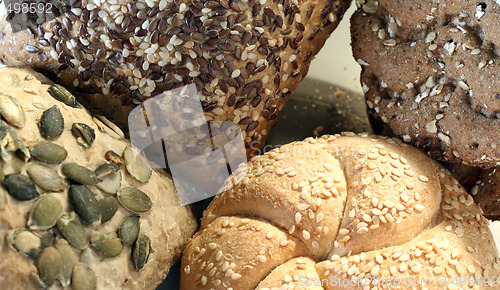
{"x":306,"y":235}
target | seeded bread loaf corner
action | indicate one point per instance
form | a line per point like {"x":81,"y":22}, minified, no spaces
{"x":245,"y":57}
{"x":38,"y":199}
{"x":338,"y":209}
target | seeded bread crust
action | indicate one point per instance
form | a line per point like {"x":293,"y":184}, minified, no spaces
{"x":245,"y":57}
{"x":432,"y":78}
{"x":346,"y":207}
{"x":168,"y":224}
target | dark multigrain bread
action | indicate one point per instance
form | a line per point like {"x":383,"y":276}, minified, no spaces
{"x":245,"y":57}
{"x":430,"y":74}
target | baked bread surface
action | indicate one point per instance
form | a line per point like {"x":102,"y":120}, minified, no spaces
{"x":245,"y":57}
{"x":340,"y":207}
{"x":430,"y":74}
{"x":168,"y":225}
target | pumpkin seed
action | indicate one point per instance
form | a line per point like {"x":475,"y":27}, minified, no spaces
{"x":84,"y":132}
{"x":37,"y":282}
{"x":52,"y":123}
{"x":11,"y":111}
{"x":68,"y":261}
{"x":49,"y":265}
{"x":72,"y":230}
{"x":110,"y":183}
{"x":46,"y":177}
{"x":25,"y":242}
{"x":45,"y":212}
{"x":61,"y":94}
{"x":83,"y":278}
{"x":79,"y":174}
{"x":106,"y":169}
{"x":129,"y":230}
{"x":3,"y":130}
{"x":20,"y":187}
{"x":109,"y":127}
{"x":134,"y":200}
{"x":113,"y":157}
{"x":106,"y":245}
{"x":111,"y":177}
{"x":136,"y":170}
{"x":48,"y":239}
{"x":49,"y":152}
{"x":141,"y":251}
{"x":22,"y":151}
{"x":85,"y":204}
{"x":108,"y":207}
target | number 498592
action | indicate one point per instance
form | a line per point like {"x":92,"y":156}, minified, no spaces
{"x":23,"y":8}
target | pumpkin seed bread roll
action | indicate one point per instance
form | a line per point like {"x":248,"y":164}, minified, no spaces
{"x":75,"y":211}
{"x":342,"y":212}
{"x":244,"y":57}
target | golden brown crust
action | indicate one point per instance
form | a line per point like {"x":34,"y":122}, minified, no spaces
{"x":246,"y":57}
{"x":169,"y":225}
{"x":403,"y":216}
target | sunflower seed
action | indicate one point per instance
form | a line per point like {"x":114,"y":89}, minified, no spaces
{"x":136,"y":170}
{"x":11,"y":111}
{"x":49,"y":263}
{"x":72,"y":230}
{"x":85,"y":204}
{"x":108,"y":207}
{"x":79,"y":174}
{"x":25,"y":242}
{"x":140,"y":253}
{"x":83,"y":278}
{"x":20,"y":187}
{"x":61,"y":94}
{"x":45,"y":212}
{"x":106,"y":245}
{"x":129,"y":230}
{"x":109,"y":127}
{"x":83,"y":132}
{"x":46,"y":177}
{"x":68,"y":261}
{"x":49,"y":152}
{"x":22,"y":151}
{"x":134,"y":200}
{"x":52,"y":123}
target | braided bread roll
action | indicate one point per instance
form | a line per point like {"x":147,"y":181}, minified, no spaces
{"x":338,"y":209}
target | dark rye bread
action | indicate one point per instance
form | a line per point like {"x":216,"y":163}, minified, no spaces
{"x":246,"y":57}
{"x":430,"y":74}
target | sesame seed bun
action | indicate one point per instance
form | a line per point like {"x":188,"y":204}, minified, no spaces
{"x":343,"y":207}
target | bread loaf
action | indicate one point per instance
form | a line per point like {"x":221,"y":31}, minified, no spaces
{"x":245,"y":57}
{"x":341,"y":208}
{"x":53,"y":227}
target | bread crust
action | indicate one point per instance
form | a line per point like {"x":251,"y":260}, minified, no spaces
{"x":245,"y":58}
{"x":168,"y":224}
{"x":432,"y":78}
{"x":402,"y":216}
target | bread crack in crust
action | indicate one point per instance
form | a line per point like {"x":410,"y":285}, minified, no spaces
{"x":340,"y":207}
{"x":432,"y":78}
